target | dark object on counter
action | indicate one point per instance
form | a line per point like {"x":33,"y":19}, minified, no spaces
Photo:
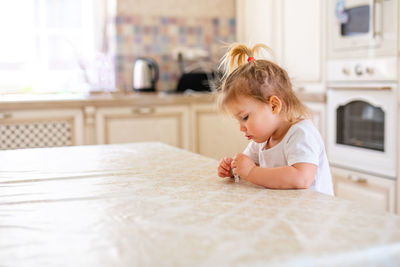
{"x":196,"y":81}
{"x":145,"y":75}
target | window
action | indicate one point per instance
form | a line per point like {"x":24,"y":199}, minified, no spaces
{"x":47,"y":45}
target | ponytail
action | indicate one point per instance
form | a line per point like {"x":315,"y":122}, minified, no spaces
{"x":236,"y":56}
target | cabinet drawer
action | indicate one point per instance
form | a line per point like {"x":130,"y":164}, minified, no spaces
{"x":375,"y":192}
{"x":167,"y":124}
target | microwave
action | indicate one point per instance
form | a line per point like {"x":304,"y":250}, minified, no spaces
{"x":360,"y":28}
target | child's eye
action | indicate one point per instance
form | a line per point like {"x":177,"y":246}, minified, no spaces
{"x":245,"y":117}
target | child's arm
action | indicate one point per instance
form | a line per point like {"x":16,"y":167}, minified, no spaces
{"x":297,"y":176}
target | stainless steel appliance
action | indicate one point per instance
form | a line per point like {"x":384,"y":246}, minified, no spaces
{"x":145,"y":75}
{"x":362,"y":115}
{"x":362,"y":28}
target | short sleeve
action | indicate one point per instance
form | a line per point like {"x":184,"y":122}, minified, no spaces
{"x":303,"y":146}
{"x":252,"y":151}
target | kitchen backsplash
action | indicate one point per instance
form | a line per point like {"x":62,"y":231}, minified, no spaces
{"x":157,"y":37}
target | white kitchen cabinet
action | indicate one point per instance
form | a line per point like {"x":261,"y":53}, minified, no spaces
{"x":215,"y":135}
{"x":295,"y":30}
{"x":318,"y":116}
{"x":255,"y":20}
{"x":371,"y":191}
{"x":398,"y":158}
{"x":167,"y":124}
{"x":40,"y":128}
{"x":301,"y":40}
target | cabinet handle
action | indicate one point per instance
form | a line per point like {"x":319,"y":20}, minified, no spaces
{"x":373,"y":88}
{"x":357,"y":179}
{"x":5,"y":116}
{"x":376,"y":18}
{"x":143,"y":111}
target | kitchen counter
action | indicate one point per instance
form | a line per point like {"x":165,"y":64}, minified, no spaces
{"x":106,"y":99}
{"x":118,"y":99}
{"x":150,"y":204}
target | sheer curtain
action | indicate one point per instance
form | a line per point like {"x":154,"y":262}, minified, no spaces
{"x":53,"y":46}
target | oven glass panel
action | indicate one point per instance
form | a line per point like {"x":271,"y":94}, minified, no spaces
{"x":357,"y":21}
{"x":360,"y":124}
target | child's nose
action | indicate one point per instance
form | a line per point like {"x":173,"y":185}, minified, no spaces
{"x":242,"y":128}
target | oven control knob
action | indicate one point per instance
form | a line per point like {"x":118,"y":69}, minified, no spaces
{"x":358,"y":70}
{"x":346,"y":71}
{"x":369,"y":70}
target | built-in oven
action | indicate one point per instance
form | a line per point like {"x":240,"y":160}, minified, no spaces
{"x":362,"y":127}
{"x":362,"y":116}
{"x":365,"y":26}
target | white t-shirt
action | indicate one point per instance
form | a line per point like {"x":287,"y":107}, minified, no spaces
{"x":301,"y":144}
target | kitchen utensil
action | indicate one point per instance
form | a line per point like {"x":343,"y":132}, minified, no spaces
{"x":196,"y":81}
{"x":145,"y":75}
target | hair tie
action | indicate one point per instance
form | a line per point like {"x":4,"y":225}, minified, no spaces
{"x":250,"y":59}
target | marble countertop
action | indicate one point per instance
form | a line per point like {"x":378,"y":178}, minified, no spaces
{"x":106,"y":99}
{"x":150,"y":204}
{"x":118,"y":99}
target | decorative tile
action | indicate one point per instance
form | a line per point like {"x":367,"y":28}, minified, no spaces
{"x":157,"y":36}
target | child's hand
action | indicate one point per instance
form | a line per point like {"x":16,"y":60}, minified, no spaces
{"x":242,"y":165}
{"x":224,"y":168}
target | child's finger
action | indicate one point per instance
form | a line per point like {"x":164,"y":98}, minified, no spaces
{"x":228,"y":160}
{"x":225,"y":165}
{"x":223,"y":173}
{"x":221,"y":163}
{"x":233,"y":164}
{"x":224,"y":168}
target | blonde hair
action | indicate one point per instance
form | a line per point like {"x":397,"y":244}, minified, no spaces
{"x":259,"y":79}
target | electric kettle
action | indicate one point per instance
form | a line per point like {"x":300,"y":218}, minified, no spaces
{"x":145,"y":75}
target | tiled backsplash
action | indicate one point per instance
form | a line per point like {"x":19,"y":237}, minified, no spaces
{"x":157,"y":37}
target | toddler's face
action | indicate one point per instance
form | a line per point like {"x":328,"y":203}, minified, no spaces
{"x":256,"y":119}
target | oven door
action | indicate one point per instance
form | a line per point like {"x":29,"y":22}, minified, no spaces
{"x":361,"y":133}
{"x":356,"y":23}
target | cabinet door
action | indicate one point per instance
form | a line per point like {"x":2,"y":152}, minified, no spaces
{"x":374,"y":192}
{"x":295,"y":32}
{"x":301,"y":39}
{"x":167,"y":124}
{"x":254,"y":21}
{"x":40,"y":128}
{"x":398,"y":156}
{"x":318,"y":113}
{"x":215,"y":135}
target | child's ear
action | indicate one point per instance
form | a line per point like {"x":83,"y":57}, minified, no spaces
{"x":276,"y":104}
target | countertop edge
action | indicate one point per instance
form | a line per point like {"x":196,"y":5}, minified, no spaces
{"x":117,"y":100}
